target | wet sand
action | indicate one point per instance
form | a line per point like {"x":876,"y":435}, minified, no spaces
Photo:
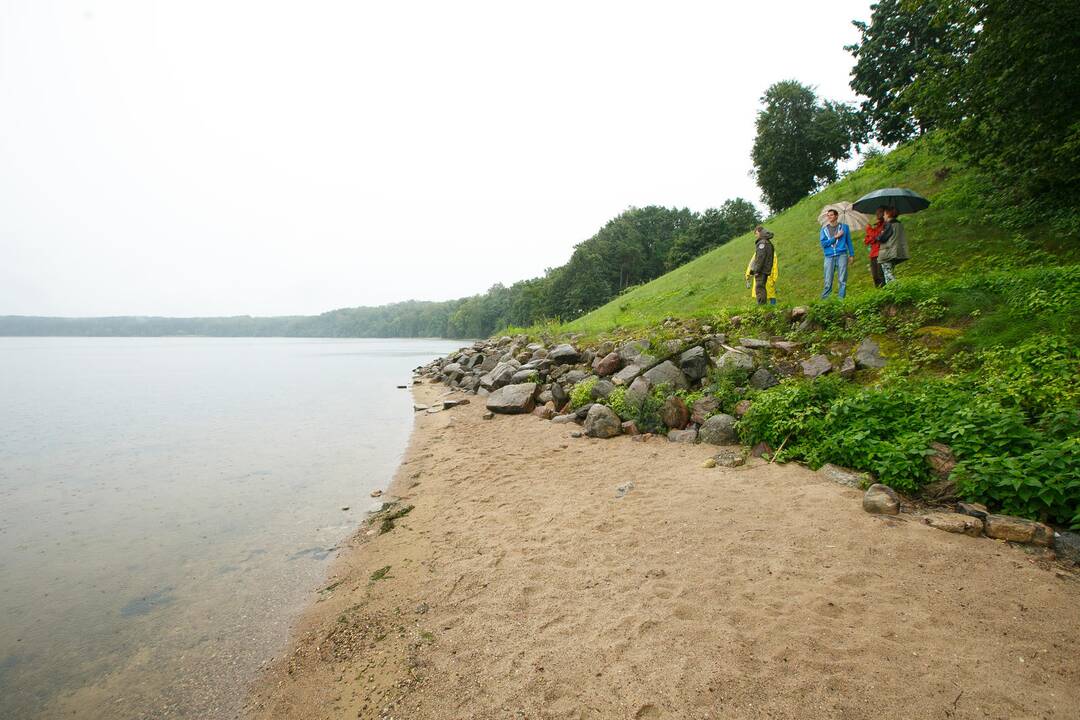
{"x":522,"y":586}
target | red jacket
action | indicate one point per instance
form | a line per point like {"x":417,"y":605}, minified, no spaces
{"x":872,"y":232}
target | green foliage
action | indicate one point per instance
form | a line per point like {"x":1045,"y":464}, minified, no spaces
{"x":380,"y":574}
{"x":727,"y":386}
{"x":712,"y":229}
{"x":645,"y":411}
{"x":581,"y":393}
{"x":616,"y":400}
{"x":799,"y":141}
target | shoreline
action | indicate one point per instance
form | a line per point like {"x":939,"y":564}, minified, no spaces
{"x":524,"y":585}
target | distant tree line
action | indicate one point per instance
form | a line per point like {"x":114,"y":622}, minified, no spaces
{"x":635,"y":247}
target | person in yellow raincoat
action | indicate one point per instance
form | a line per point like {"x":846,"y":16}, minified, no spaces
{"x":770,"y":282}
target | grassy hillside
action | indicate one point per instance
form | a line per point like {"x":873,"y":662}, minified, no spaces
{"x":948,"y":239}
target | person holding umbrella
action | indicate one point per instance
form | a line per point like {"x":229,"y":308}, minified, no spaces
{"x":871,"y":240}
{"x":893,"y":238}
{"x":835,"y":238}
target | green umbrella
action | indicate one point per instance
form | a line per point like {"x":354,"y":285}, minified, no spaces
{"x":904,"y":200}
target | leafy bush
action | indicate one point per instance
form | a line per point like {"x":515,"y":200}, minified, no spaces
{"x":645,"y":412}
{"x":616,"y":400}
{"x":581,"y":393}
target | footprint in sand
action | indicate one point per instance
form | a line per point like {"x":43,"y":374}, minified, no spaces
{"x":648,"y":710}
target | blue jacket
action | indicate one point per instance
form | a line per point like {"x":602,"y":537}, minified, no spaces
{"x":833,"y":247}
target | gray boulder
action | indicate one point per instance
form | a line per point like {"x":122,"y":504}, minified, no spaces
{"x":881,"y":499}
{"x":816,"y":366}
{"x":564,"y":355}
{"x":755,"y":344}
{"x":689,"y":436}
{"x":574,"y":377}
{"x":524,"y":375}
{"x":666,"y":373}
{"x":632,"y":349}
{"x":602,"y":422}
{"x":637,"y":392}
{"x":499,"y":376}
{"x":762,"y":379}
{"x":694,"y":363}
{"x":703,"y":407}
{"x":868,"y":355}
{"x":735,"y":359}
{"x":513,"y":399}
{"x":559,"y":395}
{"x":601,"y":390}
{"x":718,"y":430}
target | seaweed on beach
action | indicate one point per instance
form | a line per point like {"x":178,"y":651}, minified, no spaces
{"x":391,"y":513}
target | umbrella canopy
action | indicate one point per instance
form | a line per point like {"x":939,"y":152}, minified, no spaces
{"x":906,"y":201}
{"x":852,"y":218}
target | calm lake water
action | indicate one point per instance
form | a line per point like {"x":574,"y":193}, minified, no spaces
{"x":167,"y":507}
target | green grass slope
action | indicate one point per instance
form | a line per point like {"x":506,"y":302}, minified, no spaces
{"x":947,"y":240}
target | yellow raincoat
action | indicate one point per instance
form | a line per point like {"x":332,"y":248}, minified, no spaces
{"x":770,"y":282}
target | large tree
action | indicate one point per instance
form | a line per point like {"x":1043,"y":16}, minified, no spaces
{"x":901,"y":44}
{"x":799,"y":141}
{"x":711,"y":229}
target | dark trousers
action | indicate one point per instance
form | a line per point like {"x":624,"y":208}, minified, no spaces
{"x":761,"y":292}
{"x":875,"y":272}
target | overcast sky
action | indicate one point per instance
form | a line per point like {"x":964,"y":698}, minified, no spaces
{"x":224,"y":157}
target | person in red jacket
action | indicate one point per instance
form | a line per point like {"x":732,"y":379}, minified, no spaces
{"x":871,"y":239}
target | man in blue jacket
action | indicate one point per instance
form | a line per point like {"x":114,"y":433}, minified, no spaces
{"x":839,"y":253}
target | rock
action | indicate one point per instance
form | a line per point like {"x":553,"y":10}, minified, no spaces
{"x":602,"y":422}
{"x":498,"y":376}
{"x":754,"y":343}
{"x":729,"y":458}
{"x":574,"y":377}
{"x":419,"y":408}
{"x":736,"y":359}
{"x":674,"y":413}
{"x":868,"y":355}
{"x":955,"y":523}
{"x":762,"y":379}
{"x":627,"y":375}
{"x":881,"y":499}
{"x":560,"y":419}
{"x":816,"y":366}
{"x":632,"y":349}
{"x":489,"y":416}
{"x":544,"y":413}
{"x":845,"y":476}
{"x":735,"y":321}
{"x":447,"y":404}
{"x":564,"y":355}
{"x":601,"y":390}
{"x":513,"y":399}
{"x":453,"y":370}
{"x":1067,"y":546}
{"x":847,"y":368}
{"x":1014,"y":529}
{"x":786,"y":346}
{"x":702,"y":408}
{"x":761,"y":450}
{"x":709,"y":463}
{"x":973,"y":509}
{"x":939,"y":491}
{"x":621,"y":490}
{"x":575,"y":434}
{"x":741,"y":408}
{"x":376,"y":493}
{"x":545,"y":397}
{"x":694,"y":363}
{"x":630,"y":428}
{"x":608,"y":364}
{"x":583,"y":412}
{"x":942,"y":461}
{"x":637,"y":392}
{"x":526,"y":375}
{"x":719,"y":430}
{"x":559,"y":394}
{"x":798,"y":313}
{"x":683,"y":436}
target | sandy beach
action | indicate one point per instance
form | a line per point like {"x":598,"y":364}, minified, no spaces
{"x":524,"y":585}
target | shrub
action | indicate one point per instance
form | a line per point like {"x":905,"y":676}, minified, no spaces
{"x":581,"y":393}
{"x":616,"y":400}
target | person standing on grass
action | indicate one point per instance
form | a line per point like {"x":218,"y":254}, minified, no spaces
{"x":893,"y":244}
{"x":835,"y":240}
{"x":871,"y":240}
{"x":763,"y":266}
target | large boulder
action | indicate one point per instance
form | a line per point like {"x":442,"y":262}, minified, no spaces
{"x":703,"y":407}
{"x":868,"y":355}
{"x":690,"y":436}
{"x":608,"y":364}
{"x":881,"y":499}
{"x":674,"y":413}
{"x":694,"y":363}
{"x":513,"y":399}
{"x":1014,"y":529}
{"x":564,"y":355}
{"x":637,"y":392}
{"x":602,"y":422}
{"x":632,"y":349}
{"x":499,"y":376}
{"x":601,"y":389}
{"x":816,"y":366}
{"x":736,"y":359}
{"x":718,"y":430}
{"x":524,"y":375}
{"x":762,"y":379}
{"x":666,"y":373}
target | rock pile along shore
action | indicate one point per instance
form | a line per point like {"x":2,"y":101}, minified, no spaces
{"x":566,"y":383}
